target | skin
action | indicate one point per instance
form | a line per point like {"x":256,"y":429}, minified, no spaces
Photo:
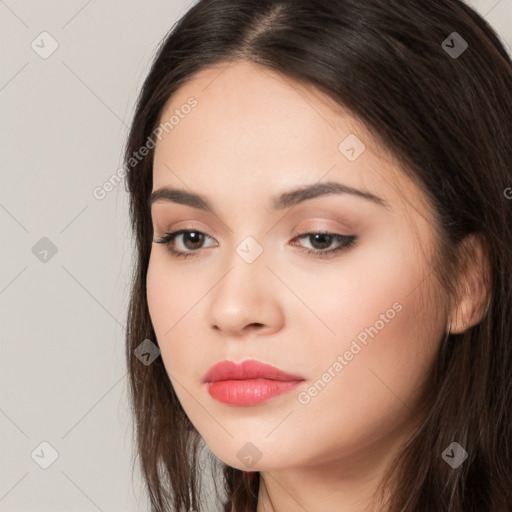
{"x":255,"y":134}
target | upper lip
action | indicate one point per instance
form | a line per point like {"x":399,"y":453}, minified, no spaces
{"x":248,"y":369}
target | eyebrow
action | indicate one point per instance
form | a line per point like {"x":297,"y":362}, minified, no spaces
{"x":284,"y":200}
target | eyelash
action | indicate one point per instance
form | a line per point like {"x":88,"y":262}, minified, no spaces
{"x":348,"y":241}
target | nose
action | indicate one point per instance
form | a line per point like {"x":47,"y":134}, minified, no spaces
{"x":247,"y":298}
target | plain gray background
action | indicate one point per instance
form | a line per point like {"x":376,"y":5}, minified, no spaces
{"x":64,"y":119}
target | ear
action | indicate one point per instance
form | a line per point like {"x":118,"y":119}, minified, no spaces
{"x":473,"y":285}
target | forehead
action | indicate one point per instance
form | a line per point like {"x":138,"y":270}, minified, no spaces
{"x":242,"y":106}
{"x":258,"y":132}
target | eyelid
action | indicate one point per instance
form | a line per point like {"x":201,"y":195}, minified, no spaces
{"x":321,"y":226}
{"x":323,"y":230}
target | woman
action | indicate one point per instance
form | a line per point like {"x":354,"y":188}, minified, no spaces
{"x":321,"y":200}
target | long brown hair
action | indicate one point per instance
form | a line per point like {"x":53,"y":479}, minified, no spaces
{"x":442,"y":104}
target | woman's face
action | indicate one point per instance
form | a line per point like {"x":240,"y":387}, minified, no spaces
{"x":360,"y":326}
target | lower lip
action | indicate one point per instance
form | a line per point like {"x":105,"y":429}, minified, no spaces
{"x":249,"y":392}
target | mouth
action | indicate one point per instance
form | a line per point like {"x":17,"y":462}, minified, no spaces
{"x":248,"y":383}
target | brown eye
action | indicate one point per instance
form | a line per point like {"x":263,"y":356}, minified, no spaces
{"x":192,"y":239}
{"x":191,"y":242}
{"x":320,"y":241}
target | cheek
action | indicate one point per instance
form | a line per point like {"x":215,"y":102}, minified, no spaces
{"x":351,"y":294}
{"x":172,"y":291}
{"x":169,"y":300}
{"x":388,"y":329}
{"x":384,"y":312}
{"x":176,"y":307}
{"x":379,"y":371}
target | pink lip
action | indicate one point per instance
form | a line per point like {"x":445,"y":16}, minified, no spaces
{"x":248,"y":383}
{"x":248,"y":369}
